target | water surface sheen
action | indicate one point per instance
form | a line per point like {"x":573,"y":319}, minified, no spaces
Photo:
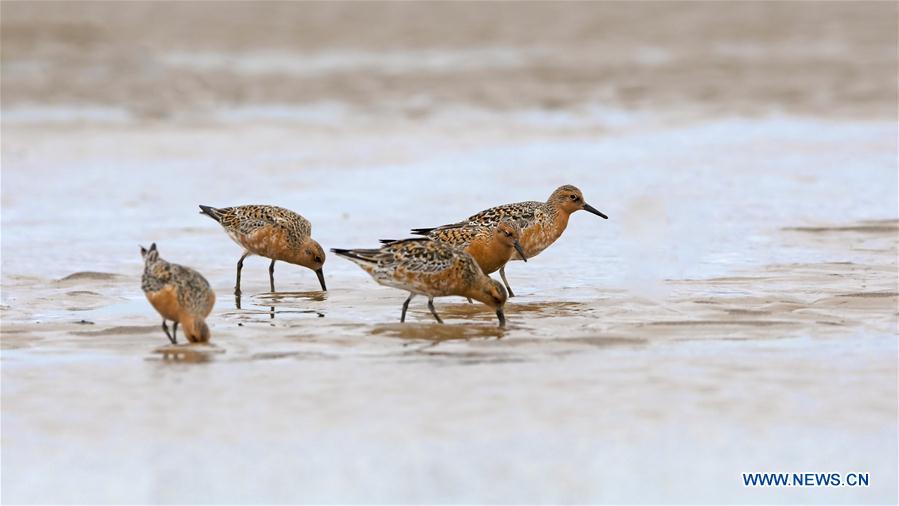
{"x":736,"y":313}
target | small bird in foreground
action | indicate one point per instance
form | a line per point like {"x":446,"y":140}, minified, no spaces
{"x":541,"y":222}
{"x":430,"y":268}
{"x":179,"y":294}
{"x":271,"y":232}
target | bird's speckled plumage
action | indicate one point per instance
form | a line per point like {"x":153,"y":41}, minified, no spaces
{"x":430,"y":268}
{"x":179,"y":294}
{"x":421,"y":266}
{"x":490,"y":245}
{"x":271,"y":232}
{"x":243,"y":223}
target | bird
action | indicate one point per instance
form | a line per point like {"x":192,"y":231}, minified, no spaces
{"x":541,"y":222}
{"x":179,"y":294}
{"x":490,"y":246}
{"x":271,"y":232}
{"x":422,"y":266}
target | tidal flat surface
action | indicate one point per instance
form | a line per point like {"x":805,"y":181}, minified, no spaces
{"x":736,"y":313}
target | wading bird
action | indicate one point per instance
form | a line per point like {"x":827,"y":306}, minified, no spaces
{"x":271,"y":232}
{"x":179,"y":294}
{"x":541,"y":222}
{"x":424,"y":267}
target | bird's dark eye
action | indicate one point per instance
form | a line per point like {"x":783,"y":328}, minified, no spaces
{"x":508,"y":234}
{"x":574,"y":198}
{"x":318,"y":259}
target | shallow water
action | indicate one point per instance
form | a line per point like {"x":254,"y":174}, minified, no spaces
{"x":736,"y":313}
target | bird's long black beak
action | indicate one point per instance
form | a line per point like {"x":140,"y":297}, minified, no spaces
{"x":520,"y":250}
{"x":591,"y":209}
{"x":502,"y":317}
{"x":321,"y":279}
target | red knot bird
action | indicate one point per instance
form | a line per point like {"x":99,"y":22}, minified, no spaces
{"x":541,"y":222}
{"x":271,"y":232}
{"x":179,"y":294}
{"x":491,"y":247}
{"x":430,"y":268}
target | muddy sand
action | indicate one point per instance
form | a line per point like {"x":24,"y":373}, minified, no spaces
{"x":736,"y":313}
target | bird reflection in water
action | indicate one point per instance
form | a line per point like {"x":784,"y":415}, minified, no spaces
{"x":288,"y":299}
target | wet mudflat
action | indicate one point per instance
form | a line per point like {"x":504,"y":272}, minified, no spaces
{"x":683,"y":341}
{"x":736,"y":313}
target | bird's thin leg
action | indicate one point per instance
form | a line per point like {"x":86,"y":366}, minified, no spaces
{"x":502,"y":274}
{"x":165,"y":328}
{"x":433,"y":311}
{"x":271,"y":275}
{"x":469,"y":300}
{"x":175,"y":332}
{"x":405,"y":307}
{"x":239,"y":267}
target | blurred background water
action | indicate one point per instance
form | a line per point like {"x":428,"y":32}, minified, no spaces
{"x":736,"y":313}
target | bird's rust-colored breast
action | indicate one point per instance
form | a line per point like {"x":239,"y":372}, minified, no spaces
{"x":165,"y":301}
{"x":541,"y":234}
{"x":270,"y":242}
{"x":489,"y":254}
